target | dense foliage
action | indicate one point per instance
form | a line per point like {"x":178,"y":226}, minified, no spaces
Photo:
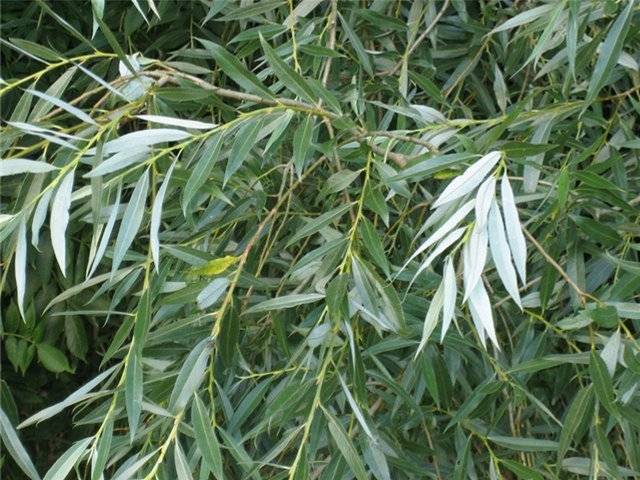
{"x":320,"y":239}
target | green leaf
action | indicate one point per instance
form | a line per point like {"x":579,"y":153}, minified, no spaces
{"x":133,"y":392}
{"x":232,"y":67}
{"x":523,"y":18}
{"x":52,"y":358}
{"x":15,"y":448}
{"x":524,"y":444}
{"x":101,"y":453}
{"x":20,"y":265}
{"x":501,"y":253}
{"x":602,"y":384}
{"x":64,"y":106}
{"x":131,"y":220}
{"x":251,"y":11}
{"x":15,"y":166}
{"x":142,"y":138}
{"x":60,"y":219}
{"x":245,"y":140}
{"x":206,"y":438}
{"x":113,"y":42}
{"x":36,"y":49}
{"x":302,"y":143}
{"x":183,"y":470}
{"x":346,"y":447}
{"x":67,"y":460}
{"x":120,"y":160}
{"x":373,"y":245}
{"x":578,"y":413}
{"x":355,"y":42}
{"x":202,"y":169}
{"x":156,"y":216}
{"x":609,"y":53}
{"x":289,"y":77}
{"x":521,"y":471}
{"x":605,"y":317}
{"x":76,"y":337}
{"x":72,"y":399}
{"x":318,"y":223}
{"x":598,"y":232}
{"x":229,"y":335}
{"x":286,"y":301}
{"x":190,"y":376}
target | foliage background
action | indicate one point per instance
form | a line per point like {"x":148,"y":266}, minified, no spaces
{"x":338,"y":125}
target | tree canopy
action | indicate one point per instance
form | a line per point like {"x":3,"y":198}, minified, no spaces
{"x":320,"y":239}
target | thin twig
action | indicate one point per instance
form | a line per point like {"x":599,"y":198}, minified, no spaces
{"x":247,"y":97}
{"x":399,"y":159}
{"x":332,"y":40}
{"x":420,"y":39}
{"x":401,"y":137}
{"x":581,"y":293}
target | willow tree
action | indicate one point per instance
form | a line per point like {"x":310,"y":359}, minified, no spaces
{"x":320,"y":239}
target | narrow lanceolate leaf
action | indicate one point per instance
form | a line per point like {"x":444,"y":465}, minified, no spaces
{"x":120,"y":160}
{"x":190,"y":376}
{"x":442,"y":246}
{"x":135,"y":463}
{"x":106,"y":234}
{"x":346,"y":447}
{"x":302,"y":142}
{"x":356,"y":410}
{"x":356,"y":44}
{"x":602,"y":383}
{"x":431,"y":320}
{"x":485,"y":196}
{"x":101,"y":452}
{"x":156,"y":216}
{"x":523,"y":18}
{"x":244,"y":142}
{"x":67,"y":461}
{"x":212,"y":292}
{"x":514,"y":229}
{"x":14,"y":446}
{"x":303,"y":8}
{"x":15,"y":166}
{"x":443,"y":230}
{"x":72,"y":399}
{"x":475,"y":257}
{"x":286,"y":301}
{"x":543,"y":40}
{"x":202,"y":169}
{"x":524,"y":444}
{"x":448,"y":296}
{"x":501,"y":254}
{"x":206,"y":439}
{"x":20,"y":265}
{"x":289,"y":77}
{"x":318,"y":223}
{"x":133,"y":392}
{"x":64,"y":106}
{"x":142,"y":138}
{"x":610,"y":52}
{"x":177,"y":122}
{"x":469,"y":180}
{"x":579,"y":412}
{"x":39,"y":216}
{"x":232,"y":67}
{"x":183,"y":471}
{"x":131,"y":220}
{"x":60,"y":218}
{"x":480,"y":307}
